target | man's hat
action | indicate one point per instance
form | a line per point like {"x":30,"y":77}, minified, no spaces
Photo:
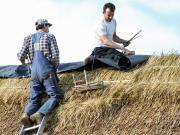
{"x":43,"y":22}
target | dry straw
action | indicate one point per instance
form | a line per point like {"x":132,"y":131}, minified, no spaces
{"x":147,"y":102}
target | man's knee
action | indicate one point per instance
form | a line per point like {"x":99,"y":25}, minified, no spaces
{"x":58,"y":98}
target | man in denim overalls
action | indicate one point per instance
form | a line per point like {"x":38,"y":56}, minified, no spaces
{"x":43,"y":52}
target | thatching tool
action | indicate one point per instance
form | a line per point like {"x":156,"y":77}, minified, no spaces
{"x":135,"y":36}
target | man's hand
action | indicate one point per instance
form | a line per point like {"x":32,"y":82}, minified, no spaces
{"x":120,"y":40}
{"x":126,"y":43}
{"x":126,"y":51}
{"x":130,"y":53}
{"x":23,"y":62}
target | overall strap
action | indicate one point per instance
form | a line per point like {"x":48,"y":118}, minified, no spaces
{"x":36,"y":40}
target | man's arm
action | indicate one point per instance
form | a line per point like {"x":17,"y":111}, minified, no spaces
{"x":55,"y":51}
{"x":120,"y":40}
{"x":24,"y":51}
{"x":111,"y":44}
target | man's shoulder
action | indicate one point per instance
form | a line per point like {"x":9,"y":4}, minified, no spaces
{"x":99,"y":24}
{"x":114,"y":20}
{"x":101,"y":21}
{"x":49,"y":35}
{"x":28,"y":37}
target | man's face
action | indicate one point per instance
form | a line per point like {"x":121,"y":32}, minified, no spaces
{"x":46,"y":28}
{"x":108,"y":15}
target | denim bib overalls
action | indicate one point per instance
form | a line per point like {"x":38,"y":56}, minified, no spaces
{"x":43,"y":79}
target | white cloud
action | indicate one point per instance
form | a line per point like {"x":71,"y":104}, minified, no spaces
{"x":164,"y":6}
{"x":74,"y":31}
{"x":17,"y":21}
{"x":156,"y":37}
{"x":73,"y":27}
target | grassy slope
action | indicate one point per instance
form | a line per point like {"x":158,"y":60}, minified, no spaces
{"x":148,"y":103}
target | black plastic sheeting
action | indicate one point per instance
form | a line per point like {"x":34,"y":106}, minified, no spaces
{"x":124,"y":63}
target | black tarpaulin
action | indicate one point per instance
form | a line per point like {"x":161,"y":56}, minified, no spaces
{"x":124,"y":63}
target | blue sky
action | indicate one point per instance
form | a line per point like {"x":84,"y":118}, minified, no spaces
{"x":74,"y":20}
{"x":164,"y":16}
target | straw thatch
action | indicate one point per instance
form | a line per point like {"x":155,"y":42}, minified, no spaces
{"x":145,"y":100}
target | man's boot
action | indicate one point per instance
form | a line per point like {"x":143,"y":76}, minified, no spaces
{"x":36,"y":117}
{"x":25,"y":120}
